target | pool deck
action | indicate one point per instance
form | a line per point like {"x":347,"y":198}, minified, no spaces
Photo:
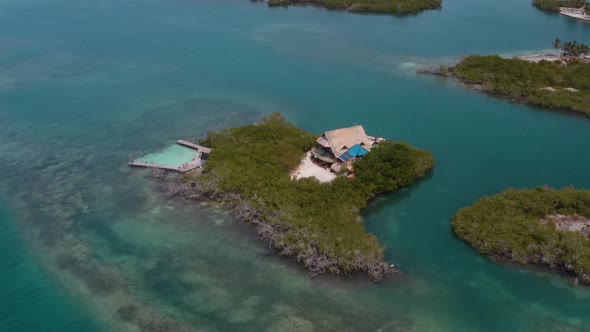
{"x":186,"y":167}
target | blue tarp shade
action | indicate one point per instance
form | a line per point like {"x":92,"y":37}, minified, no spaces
{"x":355,"y":151}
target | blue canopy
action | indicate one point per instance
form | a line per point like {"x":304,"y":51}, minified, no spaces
{"x":355,"y":151}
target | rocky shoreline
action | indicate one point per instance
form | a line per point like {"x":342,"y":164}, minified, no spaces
{"x":267,"y":224}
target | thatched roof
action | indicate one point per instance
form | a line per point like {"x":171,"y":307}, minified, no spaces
{"x":340,"y":140}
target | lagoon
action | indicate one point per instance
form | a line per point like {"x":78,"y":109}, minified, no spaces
{"x":85,"y":84}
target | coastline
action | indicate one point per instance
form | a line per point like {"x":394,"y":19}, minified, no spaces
{"x":521,"y":97}
{"x":506,"y":96}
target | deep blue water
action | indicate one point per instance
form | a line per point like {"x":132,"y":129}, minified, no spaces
{"x":30,"y":300}
{"x":88,"y":243}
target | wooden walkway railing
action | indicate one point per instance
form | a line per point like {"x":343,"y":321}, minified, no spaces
{"x":197,"y":147}
{"x":182,"y":168}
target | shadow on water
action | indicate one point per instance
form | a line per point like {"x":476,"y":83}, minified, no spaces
{"x":392,"y":199}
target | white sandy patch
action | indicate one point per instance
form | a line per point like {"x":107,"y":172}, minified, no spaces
{"x":308,"y":169}
{"x":568,"y":223}
{"x":580,"y":16}
{"x":540,"y":57}
{"x":549,"y":88}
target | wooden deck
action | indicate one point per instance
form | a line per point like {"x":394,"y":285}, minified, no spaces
{"x":181,"y":169}
{"x":197,"y":147}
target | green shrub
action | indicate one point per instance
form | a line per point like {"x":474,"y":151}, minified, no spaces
{"x":391,"y":166}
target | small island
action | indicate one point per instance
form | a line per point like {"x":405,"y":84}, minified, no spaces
{"x":396,"y":7}
{"x":553,"y":81}
{"x":545,"y":227}
{"x":258,"y":172}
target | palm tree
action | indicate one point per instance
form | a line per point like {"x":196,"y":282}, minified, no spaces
{"x":584,"y":49}
{"x":567,"y":48}
{"x":557,"y":44}
{"x":575,"y":49}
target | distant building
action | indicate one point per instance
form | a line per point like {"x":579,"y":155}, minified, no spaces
{"x":578,"y":11}
{"x":342,"y":147}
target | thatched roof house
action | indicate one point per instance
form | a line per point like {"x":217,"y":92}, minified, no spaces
{"x":346,"y":143}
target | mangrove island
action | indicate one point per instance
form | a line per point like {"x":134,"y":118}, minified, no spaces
{"x":396,"y":7}
{"x":543,"y":226}
{"x":559,"y":82}
{"x":256,"y":171}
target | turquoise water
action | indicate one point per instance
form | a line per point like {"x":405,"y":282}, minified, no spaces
{"x":174,"y":155}
{"x":30,"y":300}
{"x":84,"y":85}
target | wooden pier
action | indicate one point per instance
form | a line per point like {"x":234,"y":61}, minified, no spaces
{"x":197,"y":147}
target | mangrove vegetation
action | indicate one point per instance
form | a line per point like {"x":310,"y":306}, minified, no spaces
{"x":319,"y":224}
{"x":560,"y":85}
{"x":553,"y":5}
{"x":541,"y":226}
{"x":397,"y":7}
